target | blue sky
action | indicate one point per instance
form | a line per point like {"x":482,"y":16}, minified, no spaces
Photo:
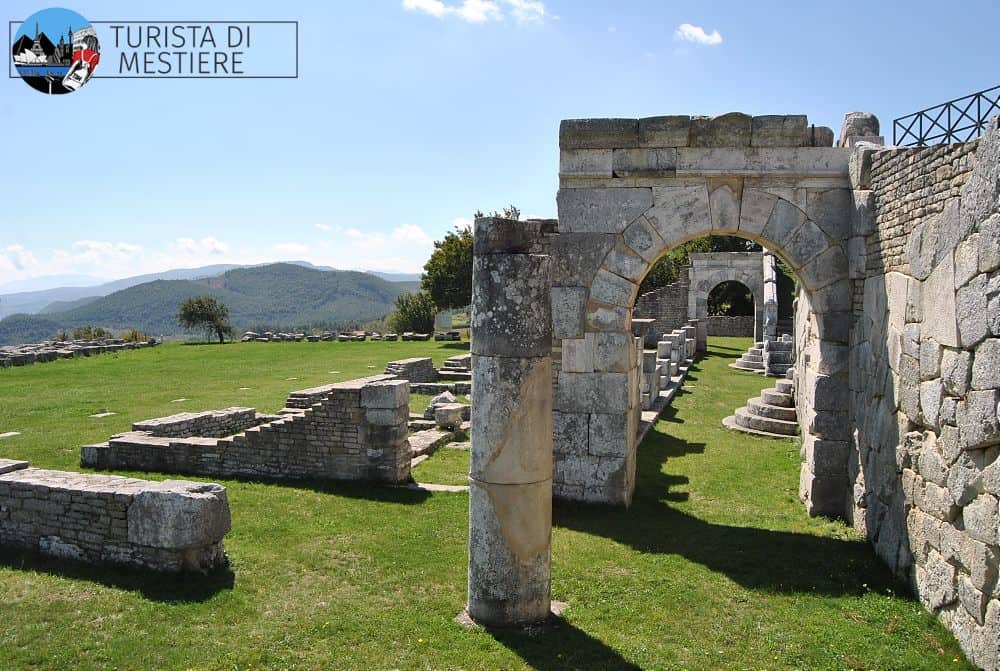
{"x":408,"y":115}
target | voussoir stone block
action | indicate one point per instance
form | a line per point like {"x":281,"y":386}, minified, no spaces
{"x":601,"y":210}
{"x":679,"y":212}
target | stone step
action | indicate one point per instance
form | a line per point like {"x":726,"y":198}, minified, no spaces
{"x":748,"y":369}
{"x":775,"y":397}
{"x":785,"y":386}
{"x":425,"y":442}
{"x":749,"y":421}
{"x":454,"y":374}
{"x":780,"y":346}
{"x":781,"y":357}
{"x":780,"y":369}
{"x":762,"y":409}
{"x":755,"y":351}
{"x":421,"y":424}
{"x":753,"y":358}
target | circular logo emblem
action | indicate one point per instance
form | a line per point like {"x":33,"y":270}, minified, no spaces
{"x":56,"y":51}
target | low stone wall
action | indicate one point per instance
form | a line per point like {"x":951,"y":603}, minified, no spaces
{"x":354,"y":430}
{"x":210,"y":424}
{"x":730,"y":326}
{"x":420,"y":369}
{"x":23,"y":355}
{"x":666,"y":306}
{"x":168,"y":526}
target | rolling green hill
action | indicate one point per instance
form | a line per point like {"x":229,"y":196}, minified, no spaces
{"x":276,"y":296}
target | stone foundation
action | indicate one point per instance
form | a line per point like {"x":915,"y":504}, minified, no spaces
{"x":211,"y":424}
{"x":420,"y":369}
{"x":168,"y":526}
{"x":354,"y":430}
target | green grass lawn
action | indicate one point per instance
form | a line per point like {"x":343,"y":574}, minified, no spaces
{"x":715,"y":565}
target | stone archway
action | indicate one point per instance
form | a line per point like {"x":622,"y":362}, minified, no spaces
{"x":630,"y":190}
{"x":709,"y":270}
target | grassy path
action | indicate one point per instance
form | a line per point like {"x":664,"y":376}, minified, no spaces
{"x":715,"y":566}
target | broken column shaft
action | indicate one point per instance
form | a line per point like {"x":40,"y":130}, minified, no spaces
{"x":510,"y":478}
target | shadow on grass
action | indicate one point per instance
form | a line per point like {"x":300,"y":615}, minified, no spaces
{"x":465,"y":346}
{"x":558,"y":645}
{"x":762,"y":559}
{"x":163,"y":587}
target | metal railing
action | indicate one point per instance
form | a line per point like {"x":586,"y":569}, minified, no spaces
{"x":958,"y":120}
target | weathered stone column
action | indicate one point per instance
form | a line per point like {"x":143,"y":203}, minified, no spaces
{"x":510,"y":478}
{"x":769,"y":329}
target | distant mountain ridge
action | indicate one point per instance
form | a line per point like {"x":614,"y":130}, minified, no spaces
{"x":61,"y":298}
{"x":274,"y":296}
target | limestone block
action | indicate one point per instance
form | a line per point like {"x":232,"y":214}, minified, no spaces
{"x":644,"y":162}
{"x":777,"y":130}
{"x":510,"y":530}
{"x":937,"y":501}
{"x":726,"y":130}
{"x":179,"y":515}
{"x":763,"y":161}
{"x":858,"y":124}
{"x":930,"y":402}
{"x":822,"y":495}
{"x":950,"y":443}
{"x":449,"y":415}
{"x":386,"y":416}
{"x":724,"y":208}
{"x":914,"y":305}
{"x":860,"y":166}
{"x":896,"y":290}
{"x":585,"y":163}
{"x":598,"y":133}
{"x":785,"y":219}
{"x":986,"y":365}
{"x":981,"y":560}
{"x":981,"y":193}
{"x":385,"y":394}
{"x":570,"y":433}
{"x":857,"y":258}
{"x":825,"y":269}
{"x":930,"y":462}
{"x":831,"y":210}
{"x":972,"y":599}
{"x":964,"y":479}
{"x":568,"y":307}
{"x":623,"y":262}
{"x":496,"y":235}
{"x":862,"y":213}
{"x":977,"y":419}
{"x":585,"y":392}
{"x":611,"y":289}
{"x":664,"y":131}
{"x":970,"y":309}
{"x":578,"y":354}
{"x":830,"y":392}
{"x":966,"y":260}
{"x":829,"y":424}
{"x":826,"y":457}
{"x":600,"y":317}
{"x":930,"y":359}
{"x":989,"y":244}
{"x":612,"y":352}
{"x":679,"y":212}
{"x":511,"y":305}
{"x":808,"y":242}
{"x":755,"y":211}
{"x":609,"y":435}
{"x":949,"y":410}
{"x":981,"y":519}
{"x":938,"y":299}
{"x":821,"y":136}
{"x":11,"y":465}
{"x":577,"y":256}
{"x":644,"y":240}
{"x":512,"y":441}
{"x":601,"y":210}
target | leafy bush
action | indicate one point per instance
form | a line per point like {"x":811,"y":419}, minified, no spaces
{"x":414,"y":312}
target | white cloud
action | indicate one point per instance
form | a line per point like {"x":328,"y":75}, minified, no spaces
{"x":206,"y":247}
{"x":481,"y":11}
{"x":697,"y":34}
{"x":527,"y":11}
{"x":323,"y":227}
{"x":17,"y":261}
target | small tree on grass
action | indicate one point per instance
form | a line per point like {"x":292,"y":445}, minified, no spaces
{"x":206,"y":313}
{"x":414,"y":312}
{"x":447,"y":276}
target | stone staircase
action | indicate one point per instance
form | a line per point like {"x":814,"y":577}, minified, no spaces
{"x":772,"y":414}
{"x":456,"y":368}
{"x":778,"y":356}
{"x":752,"y":360}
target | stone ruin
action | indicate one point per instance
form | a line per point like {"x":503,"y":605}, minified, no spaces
{"x":23,"y":355}
{"x":168,"y":526}
{"x":897,"y":373}
{"x":354,"y":430}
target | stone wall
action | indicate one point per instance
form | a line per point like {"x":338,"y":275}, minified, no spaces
{"x":210,"y":424}
{"x":925,"y":373}
{"x":666,"y":306}
{"x":730,"y":326}
{"x":23,"y":355}
{"x":354,"y":430}
{"x":419,"y":369}
{"x":165,"y":526}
